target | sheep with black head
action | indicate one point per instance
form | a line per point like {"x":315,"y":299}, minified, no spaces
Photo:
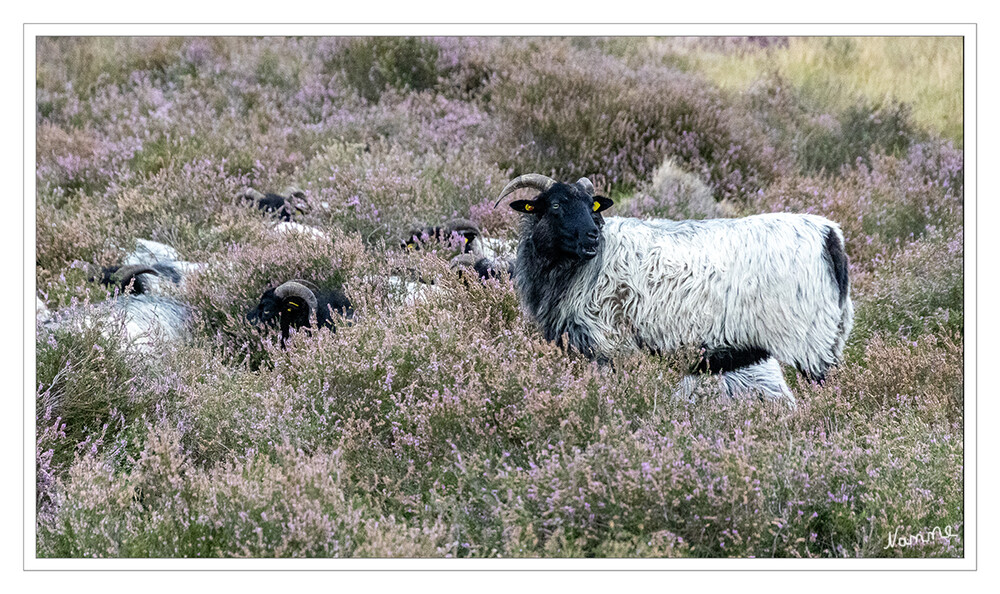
{"x":143,"y":317}
{"x":488,"y":257}
{"x":294,"y":305}
{"x":283,"y":206}
{"x":138,"y":279}
{"x":747,"y":292}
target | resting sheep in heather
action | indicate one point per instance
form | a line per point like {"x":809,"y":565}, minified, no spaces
{"x":749,"y":292}
{"x":138,"y":315}
{"x":488,"y":257}
{"x":294,"y":305}
{"x":143,"y":311}
{"x":284,"y":207}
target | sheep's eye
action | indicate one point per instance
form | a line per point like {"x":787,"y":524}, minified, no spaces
{"x":555,"y":206}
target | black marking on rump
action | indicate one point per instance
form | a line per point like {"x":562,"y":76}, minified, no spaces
{"x":838,"y":263}
{"x":724,"y":359}
{"x":818,"y":377}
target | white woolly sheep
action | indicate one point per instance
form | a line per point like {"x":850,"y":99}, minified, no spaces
{"x":143,"y":310}
{"x":750,"y":292}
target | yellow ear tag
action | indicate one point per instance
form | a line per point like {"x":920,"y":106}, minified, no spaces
{"x":529,"y":207}
{"x":597,"y":205}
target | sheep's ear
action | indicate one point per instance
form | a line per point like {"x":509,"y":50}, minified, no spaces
{"x":527,"y":206}
{"x":602,"y":203}
{"x":294,"y":304}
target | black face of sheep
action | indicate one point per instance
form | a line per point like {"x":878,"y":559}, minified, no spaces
{"x":293,"y":305}
{"x":568,"y":217}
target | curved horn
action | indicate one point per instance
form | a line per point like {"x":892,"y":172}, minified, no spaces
{"x":127,"y":272}
{"x":294,"y":289}
{"x":465,"y":228}
{"x":293,"y":192}
{"x":251,"y":194}
{"x":460,"y":225}
{"x":309,"y":284}
{"x":528,"y":180}
{"x":586,"y":184}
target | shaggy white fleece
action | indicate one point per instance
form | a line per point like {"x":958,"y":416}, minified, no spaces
{"x":761,"y":281}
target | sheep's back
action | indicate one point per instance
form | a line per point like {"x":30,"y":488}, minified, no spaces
{"x":757,"y":281}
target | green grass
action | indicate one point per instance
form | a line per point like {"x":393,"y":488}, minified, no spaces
{"x":833,"y":72}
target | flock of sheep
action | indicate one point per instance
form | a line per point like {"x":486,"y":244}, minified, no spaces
{"x":748,"y":292}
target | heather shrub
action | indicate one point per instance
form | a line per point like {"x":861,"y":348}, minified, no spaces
{"x":382,"y":193}
{"x":824,"y":142}
{"x":924,"y":376}
{"x":917,"y":290}
{"x":88,"y":63}
{"x":370,"y":65}
{"x":672,"y":193}
{"x":572,"y":120}
{"x":860,"y":130}
{"x":292,"y":507}
{"x":90,"y":386}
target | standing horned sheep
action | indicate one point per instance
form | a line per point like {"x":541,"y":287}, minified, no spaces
{"x":750,"y":292}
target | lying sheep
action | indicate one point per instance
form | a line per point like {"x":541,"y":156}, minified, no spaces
{"x":489,"y":257}
{"x":283,"y":206}
{"x":461,"y":232}
{"x":293,"y":305}
{"x":142,"y":307}
{"x":141,"y":279}
{"x":747,"y":291}
{"x":150,"y":318}
{"x":141,"y":319}
{"x":162,"y":257}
